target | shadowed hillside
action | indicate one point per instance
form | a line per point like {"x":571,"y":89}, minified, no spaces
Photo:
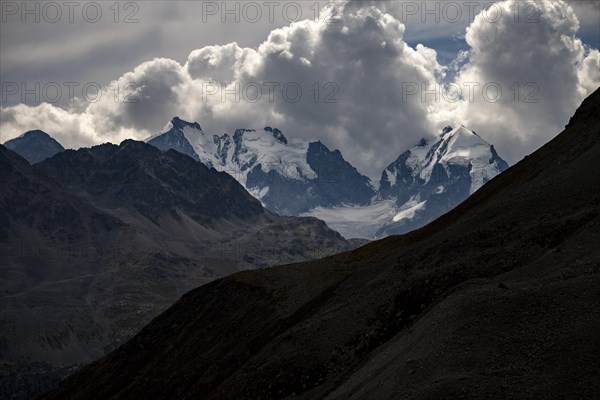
{"x":497,"y":299}
{"x":94,"y":243}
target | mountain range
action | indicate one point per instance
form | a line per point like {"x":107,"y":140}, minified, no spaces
{"x":102,"y":239}
{"x":298,"y":177}
{"x":96,"y":242}
{"x":496,"y":299}
{"x":303,"y":177}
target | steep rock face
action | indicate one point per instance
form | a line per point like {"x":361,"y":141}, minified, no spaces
{"x":34,"y":146}
{"x":501,"y":292}
{"x":289,"y":176}
{"x":338,"y":180}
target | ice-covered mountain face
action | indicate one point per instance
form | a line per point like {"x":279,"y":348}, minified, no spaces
{"x":34,"y":146}
{"x":434,"y":176}
{"x":289,"y":176}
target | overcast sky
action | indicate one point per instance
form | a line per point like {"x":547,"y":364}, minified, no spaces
{"x":361,"y":68}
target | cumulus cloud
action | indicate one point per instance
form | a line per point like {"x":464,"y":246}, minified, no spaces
{"x":539,"y":65}
{"x":342,"y":83}
{"x":589,"y":73}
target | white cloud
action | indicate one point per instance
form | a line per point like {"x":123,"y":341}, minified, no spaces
{"x":589,"y":73}
{"x":362,"y":61}
{"x":543,"y":57}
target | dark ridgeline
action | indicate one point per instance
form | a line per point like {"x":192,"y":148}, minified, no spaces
{"x":496,"y":299}
{"x":143,"y":178}
{"x":96,"y":242}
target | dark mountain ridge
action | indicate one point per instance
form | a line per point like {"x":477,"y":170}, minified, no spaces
{"x":96,"y":242}
{"x":138,"y":175}
{"x":496,"y":299}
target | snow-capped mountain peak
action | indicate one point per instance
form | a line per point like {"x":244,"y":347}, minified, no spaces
{"x":441,"y":172}
{"x":466,"y":148}
{"x":288,"y":175}
{"x":455,"y":147}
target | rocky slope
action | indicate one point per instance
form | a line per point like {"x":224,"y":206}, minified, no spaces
{"x":96,"y":242}
{"x":497,"y":299}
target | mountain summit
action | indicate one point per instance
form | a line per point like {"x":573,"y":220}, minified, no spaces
{"x":34,"y":146}
{"x":434,"y":176}
{"x":456,"y":154}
